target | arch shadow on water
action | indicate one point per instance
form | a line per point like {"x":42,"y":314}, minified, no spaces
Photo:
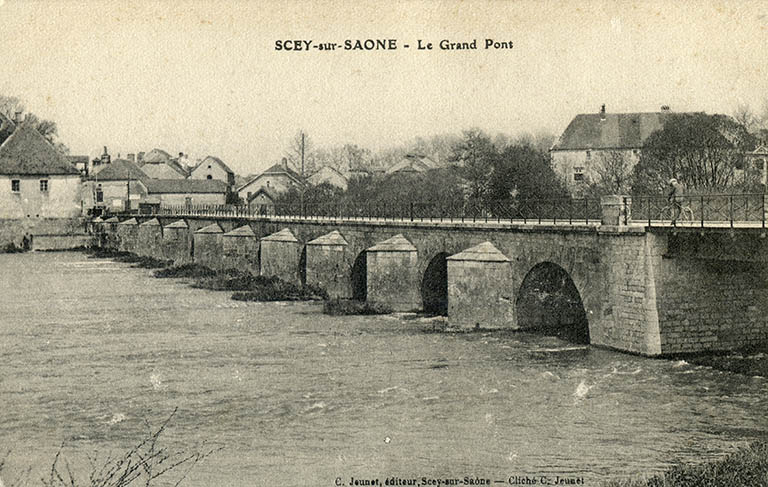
{"x":434,"y":286}
{"x":549,"y":303}
{"x":359,"y":277}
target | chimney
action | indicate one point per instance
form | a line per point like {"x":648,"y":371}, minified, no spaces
{"x":132,"y":157}
{"x":285,"y":163}
{"x":105,"y":159}
{"x":17,"y":118}
{"x":664,"y":108}
{"x":602,"y":112}
{"x":140,"y":157}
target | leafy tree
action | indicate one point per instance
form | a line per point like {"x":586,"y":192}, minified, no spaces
{"x":11,"y":105}
{"x":475,"y":153}
{"x":702,"y":151}
{"x":523,"y":172}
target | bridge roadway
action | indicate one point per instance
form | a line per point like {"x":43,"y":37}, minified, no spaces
{"x":652,"y":290}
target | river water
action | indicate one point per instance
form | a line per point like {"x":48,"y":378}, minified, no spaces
{"x":90,"y":350}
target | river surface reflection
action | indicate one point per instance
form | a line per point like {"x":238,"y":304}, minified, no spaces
{"x":90,"y":349}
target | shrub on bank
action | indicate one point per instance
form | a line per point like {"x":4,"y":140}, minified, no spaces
{"x":11,"y":248}
{"x":185,"y":270}
{"x":262,"y":288}
{"x":747,"y":466}
{"x":131,"y":258}
{"x":341,"y":307}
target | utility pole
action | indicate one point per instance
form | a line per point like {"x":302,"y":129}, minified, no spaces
{"x":302,"y":154}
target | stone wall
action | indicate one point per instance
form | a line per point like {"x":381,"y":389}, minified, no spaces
{"x":12,"y":230}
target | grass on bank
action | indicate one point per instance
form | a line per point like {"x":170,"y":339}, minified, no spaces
{"x":11,"y":248}
{"x":746,"y":466}
{"x":147,"y":463}
{"x":342,"y":307}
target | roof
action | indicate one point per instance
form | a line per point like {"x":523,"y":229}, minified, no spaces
{"x":213,"y":160}
{"x":212,"y":228}
{"x":333,"y":238}
{"x":324,"y":174}
{"x":485,"y":252}
{"x":185,"y":186}
{"x":275,"y":170}
{"x":398,"y":243}
{"x":412,"y":163}
{"x":28,"y":152}
{"x":269,"y":194}
{"x":165,"y":170}
{"x":284,"y":235}
{"x":610,"y":130}
{"x":156,"y":156}
{"x":244,"y":231}
{"x":120,"y":170}
{"x":177,"y":224}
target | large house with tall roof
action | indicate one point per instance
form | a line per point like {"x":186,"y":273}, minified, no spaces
{"x":591,"y":137}
{"x":38,"y":182}
{"x":277,"y":179}
{"x":213,"y":168}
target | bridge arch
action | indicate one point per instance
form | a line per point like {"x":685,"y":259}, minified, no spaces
{"x":434,"y":285}
{"x":359,"y":277}
{"x":549,"y":302}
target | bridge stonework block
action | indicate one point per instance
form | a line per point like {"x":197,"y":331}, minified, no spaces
{"x":393,"y":277}
{"x":327,"y":265}
{"x":177,"y":243}
{"x":240,"y":250}
{"x":207,"y":246}
{"x":281,"y":256}
{"x":479,"y":283}
{"x":127,"y":235}
{"x":150,"y":238}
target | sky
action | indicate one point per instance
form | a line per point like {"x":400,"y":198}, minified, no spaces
{"x":204,"y":78}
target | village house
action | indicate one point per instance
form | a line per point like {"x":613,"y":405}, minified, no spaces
{"x":327,"y":174}
{"x":757,"y":160}
{"x":114,"y":186}
{"x":592,"y":137}
{"x":158,"y":164}
{"x":38,"y":181}
{"x":213,"y":168}
{"x":277,"y":179}
{"x":185,"y":192}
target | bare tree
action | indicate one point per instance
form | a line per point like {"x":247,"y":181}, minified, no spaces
{"x":613,"y":172}
{"x":301,"y":153}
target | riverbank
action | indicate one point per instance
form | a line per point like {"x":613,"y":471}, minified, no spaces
{"x":747,"y":466}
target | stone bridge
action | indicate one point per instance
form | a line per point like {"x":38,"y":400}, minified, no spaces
{"x":646,"y":290}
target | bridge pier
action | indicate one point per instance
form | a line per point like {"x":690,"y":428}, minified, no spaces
{"x":479,"y":289}
{"x":281,"y":256}
{"x":327,"y":266}
{"x":177,"y":243}
{"x":207,"y":246}
{"x":149,"y":238}
{"x":240,"y":249}
{"x":393,"y":274}
{"x":127,"y":235}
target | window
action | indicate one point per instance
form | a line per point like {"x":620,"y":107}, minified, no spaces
{"x":209,"y":177}
{"x":44,"y":185}
{"x":99,"y":195}
{"x":578,"y":174}
{"x":589,"y":155}
{"x":15,"y":185}
{"x":209,"y":166}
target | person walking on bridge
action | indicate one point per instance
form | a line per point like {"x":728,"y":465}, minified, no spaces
{"x":674,"y":198}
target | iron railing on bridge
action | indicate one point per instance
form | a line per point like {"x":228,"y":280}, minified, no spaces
{"x":550,"y":211}
{"x":704,"y":210}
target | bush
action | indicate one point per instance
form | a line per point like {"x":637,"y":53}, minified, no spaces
{"x":747,"y":466}
{"x":11,"y":248}
{"x":185,"y":270}
{"x":341,"y":307}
